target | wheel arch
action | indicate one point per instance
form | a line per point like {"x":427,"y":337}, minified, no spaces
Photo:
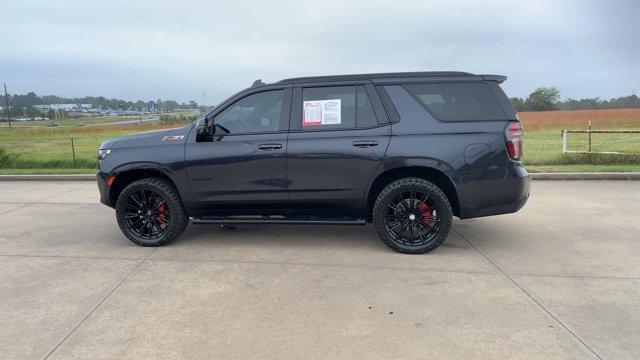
{"x":126,"y":176}
{"x":436,"y":176}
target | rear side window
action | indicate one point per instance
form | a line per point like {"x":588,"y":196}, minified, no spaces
{"x":336,"y":107}
{"x":458,"y":101}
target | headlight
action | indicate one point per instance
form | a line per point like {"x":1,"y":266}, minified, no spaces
{"x":102,"y":153}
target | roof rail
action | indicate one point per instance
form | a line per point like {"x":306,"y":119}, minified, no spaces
{"x":373,"y":76}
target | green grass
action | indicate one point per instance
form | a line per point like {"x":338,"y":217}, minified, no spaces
{"x":583,"y":168}
{"x":87,"y":120}
{"x":46,"y":171}
{"x":178,"y":117}
{"x":545,"y":148}
{"x":51,"y":147}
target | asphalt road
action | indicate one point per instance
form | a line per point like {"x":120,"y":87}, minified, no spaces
{"x":560,"y":279}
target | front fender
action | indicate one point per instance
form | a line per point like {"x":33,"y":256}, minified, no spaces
{"x":143,"y":165}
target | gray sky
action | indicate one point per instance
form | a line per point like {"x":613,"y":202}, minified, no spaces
{"x":162,"y":49}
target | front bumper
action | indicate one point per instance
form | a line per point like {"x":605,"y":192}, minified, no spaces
{"x":104,"y":189}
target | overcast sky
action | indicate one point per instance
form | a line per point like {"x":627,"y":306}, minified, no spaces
{"x":176,"y":50}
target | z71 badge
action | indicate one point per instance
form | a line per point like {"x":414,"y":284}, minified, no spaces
{"x":173,"y":138}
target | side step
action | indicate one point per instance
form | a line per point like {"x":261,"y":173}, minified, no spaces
{"x":300,"y":220}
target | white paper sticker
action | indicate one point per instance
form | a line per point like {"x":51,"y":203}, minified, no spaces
{"x":322,"y":112}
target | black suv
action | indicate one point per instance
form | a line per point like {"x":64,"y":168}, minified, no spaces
{"x":404,"y":151}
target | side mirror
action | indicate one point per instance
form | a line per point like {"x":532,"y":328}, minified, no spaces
{"x":203,"y":130}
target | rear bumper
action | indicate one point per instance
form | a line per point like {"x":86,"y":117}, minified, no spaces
{"x":503,"y":195}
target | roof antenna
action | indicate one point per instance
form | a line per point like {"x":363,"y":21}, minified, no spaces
{"x":257,"y":83}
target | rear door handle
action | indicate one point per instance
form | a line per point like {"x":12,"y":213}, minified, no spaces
{"x":269,"y":146}
{"x":365,"y":143}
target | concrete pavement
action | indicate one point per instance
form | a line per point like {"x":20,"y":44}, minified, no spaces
{"x":560,"y":279}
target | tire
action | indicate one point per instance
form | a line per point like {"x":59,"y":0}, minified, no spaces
{"x":170,"y":219}
{"x":416,"y":202}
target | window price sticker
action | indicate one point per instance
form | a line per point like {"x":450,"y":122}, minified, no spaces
{"x":322,"y":112}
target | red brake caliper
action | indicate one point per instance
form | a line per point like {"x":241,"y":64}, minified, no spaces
{"x":426,"y":213}
{"x":162,"y":211}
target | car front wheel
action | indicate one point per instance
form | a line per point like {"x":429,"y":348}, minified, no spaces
{"x":150,"y":213}
{"x":412,"y":215}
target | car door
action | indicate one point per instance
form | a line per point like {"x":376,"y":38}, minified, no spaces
{"x":242,"y":170}
{"x":338,"y":137}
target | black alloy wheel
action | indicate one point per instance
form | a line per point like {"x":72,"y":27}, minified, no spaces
{"x":147,"y":214}
{"x":412,"y":215}
{"x":150,"y":212}
{"x":411,"y":218}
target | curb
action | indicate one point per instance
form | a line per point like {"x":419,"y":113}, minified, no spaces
{"x":55,"y":177}
{"x":586,"y":176}
{"x":534,"y":176}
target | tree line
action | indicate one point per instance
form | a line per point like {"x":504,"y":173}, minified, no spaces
{"x":30,"y":99}
{"x":541,"y":99}
{"x":548,"y":98}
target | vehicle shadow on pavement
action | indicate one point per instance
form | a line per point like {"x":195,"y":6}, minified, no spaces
{"x":282,"y":235}
{"x":301,"y":236}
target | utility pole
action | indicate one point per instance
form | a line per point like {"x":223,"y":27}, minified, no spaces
{"x":204,"y":96}
{"x":6,"y":101}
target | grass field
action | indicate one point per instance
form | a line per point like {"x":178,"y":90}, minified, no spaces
{"x":47,"y":171}
{"x":51,"y":147}
{"x":87,"y":120}
{"x":544,"y":147}
{"x":96,"y":120}
{"x":48,"y":150}
{"x":579,"y":119}
{"x":543,"y":141}
{"x":583,"y":168}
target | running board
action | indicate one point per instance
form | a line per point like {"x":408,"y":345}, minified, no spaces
{"x":300,"y":220}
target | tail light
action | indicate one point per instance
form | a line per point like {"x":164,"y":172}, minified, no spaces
{"x":514,"y":135}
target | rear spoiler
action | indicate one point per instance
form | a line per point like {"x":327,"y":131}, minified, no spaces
{"x":497,"y":78}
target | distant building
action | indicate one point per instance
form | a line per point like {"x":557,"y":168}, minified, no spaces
{"x":186,"y":110}
{"x":68,"y":107}
{"x":23,"y":118}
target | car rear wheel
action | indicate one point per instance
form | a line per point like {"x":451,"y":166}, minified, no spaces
{"x":150,"y":213}
{"x":412,"y":215}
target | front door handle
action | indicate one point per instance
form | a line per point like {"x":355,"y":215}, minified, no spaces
{"x":365,"y":143}
{"x":269,"y":146}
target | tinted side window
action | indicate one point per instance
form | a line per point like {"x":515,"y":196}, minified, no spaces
{"x":365,"y":116}
{"x":458,"y":101}
{"x":507,"y":106}
{"x":256,"y":113}
{"x":336,"y":107}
